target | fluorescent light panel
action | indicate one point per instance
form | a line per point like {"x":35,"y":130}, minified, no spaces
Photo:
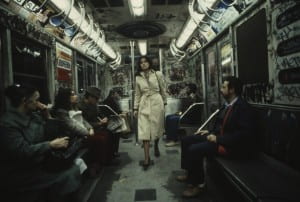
{"x":190,"y":26}
{"x":142,"y":44}
{"x":85,"y":26}
{"x":137,"y":7}
{"x":188,"y":30}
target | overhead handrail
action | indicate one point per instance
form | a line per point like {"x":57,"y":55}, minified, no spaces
{"x":82,"y":15}
{"x":60,"y":13}
{"x":89,"y":32}
{"x":204,"y":8}
{"x":116,"y":62}
{"x":94,"y":44}
{"x":196,"y":17}
{"x":176,"y":51}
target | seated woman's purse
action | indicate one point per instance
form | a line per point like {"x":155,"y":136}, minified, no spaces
{"x":114,"y":123}
{"x":59,"y":159}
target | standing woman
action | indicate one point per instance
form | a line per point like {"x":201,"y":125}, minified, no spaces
{"x":150,"y":98}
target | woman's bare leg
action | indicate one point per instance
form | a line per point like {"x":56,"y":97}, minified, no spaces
{"x":146,"y":151}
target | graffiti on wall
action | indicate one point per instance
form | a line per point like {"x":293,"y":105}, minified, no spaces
{"x":179,"y":76}
{"x":120,"y":80}
{"x":286,"y":52}
{"x":259,"y":92}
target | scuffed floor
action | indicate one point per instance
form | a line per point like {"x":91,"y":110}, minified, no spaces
{"x":128,"y":182}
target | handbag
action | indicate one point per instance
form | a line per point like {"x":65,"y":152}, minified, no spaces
{"x":59,"y":159}
{"x":114,"y":123}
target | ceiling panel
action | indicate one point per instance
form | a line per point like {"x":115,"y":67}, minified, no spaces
{"x":110,"y":14}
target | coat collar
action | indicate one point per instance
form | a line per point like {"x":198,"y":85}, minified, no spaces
{"x":15,"y":118}
{"x":151,"y":71}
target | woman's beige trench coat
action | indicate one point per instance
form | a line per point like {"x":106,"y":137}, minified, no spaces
{"x":150,"y":98}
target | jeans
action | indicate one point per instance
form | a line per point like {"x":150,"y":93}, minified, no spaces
{"x":172,"y":125}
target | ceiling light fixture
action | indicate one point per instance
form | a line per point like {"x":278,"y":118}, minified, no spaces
{"x":197,"y":13}
{"x":137,"y":7}
{"x":87,"y":27}
{"x":142,"y":44}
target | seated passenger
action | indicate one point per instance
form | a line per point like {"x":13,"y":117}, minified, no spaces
{"x":88,"y":106}
{"x":65,"y":109}
{"x":231,"y":135}
{"x":172,"y":120}
{"x":112,"y":100}
{"x":24,"y":148}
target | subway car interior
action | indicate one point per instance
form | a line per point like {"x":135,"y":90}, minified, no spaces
{"x":97,"y":50}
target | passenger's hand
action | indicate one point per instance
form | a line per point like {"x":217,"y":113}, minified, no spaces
{"x":211,"y":138}
{"x":91,"y":132}
{"x":104,"y":120}
{"x":41,"y":106}
{"x":60,"y":143}
{"x":201,"y":132}
{"x":43,"y":110}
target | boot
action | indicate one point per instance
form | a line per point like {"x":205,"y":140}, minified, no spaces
{"x":156,"y":149}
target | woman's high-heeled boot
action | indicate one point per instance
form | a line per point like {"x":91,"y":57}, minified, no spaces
{"x":156,"y":149}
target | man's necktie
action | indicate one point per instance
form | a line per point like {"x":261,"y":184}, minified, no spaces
{"x":221,"y":149}
{"x":228,"y":112}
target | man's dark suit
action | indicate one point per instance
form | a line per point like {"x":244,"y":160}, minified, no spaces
{"x":237,"y":139}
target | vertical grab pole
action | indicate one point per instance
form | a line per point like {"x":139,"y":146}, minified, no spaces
{"x":133,"y":120}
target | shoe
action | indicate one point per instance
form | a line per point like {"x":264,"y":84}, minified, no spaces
{"x":146,"y":165}
{"x":191,"y":192}
{"x":181,"y":178}
{"x":171,"y":144}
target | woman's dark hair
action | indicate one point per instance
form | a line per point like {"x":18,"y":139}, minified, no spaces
{"x":17,"y":93}
{"x":236,"y":83}
{"x":62,"y":99}
{"x":139,"y":69}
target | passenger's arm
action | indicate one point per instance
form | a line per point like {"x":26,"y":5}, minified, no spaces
{"x":13,"y":143}
{"x":137,"y":96}
{"x":201,"y":132}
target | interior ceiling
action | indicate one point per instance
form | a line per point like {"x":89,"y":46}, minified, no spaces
{"x":111,"y":14}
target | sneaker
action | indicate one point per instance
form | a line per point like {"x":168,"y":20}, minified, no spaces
{"x":171,"y":144}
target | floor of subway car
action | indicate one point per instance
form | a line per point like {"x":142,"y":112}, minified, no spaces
{"x":128,"y":182}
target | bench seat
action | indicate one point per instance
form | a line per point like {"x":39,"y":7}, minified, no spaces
{"x":262,"y":178}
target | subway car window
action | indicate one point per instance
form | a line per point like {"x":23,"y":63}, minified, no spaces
{"x":252,"y":48}
{"x":86,"y":72}
{"x":80,"y":75}
{"x":91,"y":73}
{"x":29,"y":64}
